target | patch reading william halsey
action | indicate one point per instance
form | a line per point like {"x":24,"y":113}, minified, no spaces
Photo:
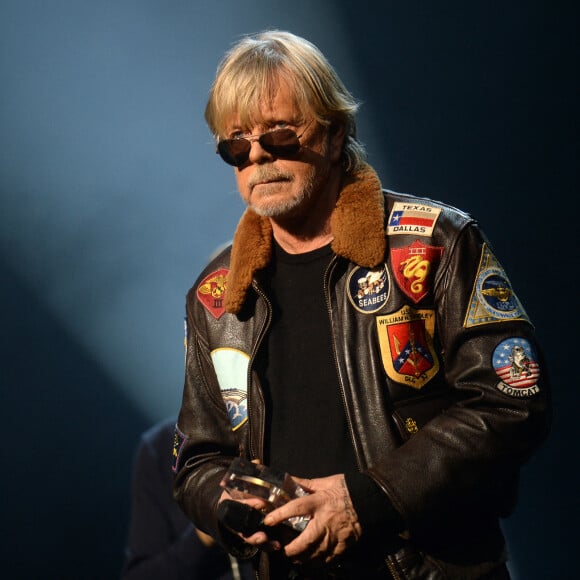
{"x":406,"y":343}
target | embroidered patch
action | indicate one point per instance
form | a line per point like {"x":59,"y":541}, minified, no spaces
{"x":179,"y":440}
{"x":368,"y":290}
{"x":411,"y":218}
{"x":211,"y":292}
{"x":231,"y":367}
{"x":516,"y":363}
{"x":413,"y":268}
{"x":492,"y":298}
{"x":406,"y":342}
{"x":185,"y":337}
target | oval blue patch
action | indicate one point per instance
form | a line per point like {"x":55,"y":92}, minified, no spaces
{"x":516,"y":364}
{"x":368,"y":289}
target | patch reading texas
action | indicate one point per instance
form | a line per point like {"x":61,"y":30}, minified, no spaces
{"x":413,"y":268}
{"x":492,"y":298}
{"x":211,"y":292}
{"x":516,"y":363}
{"x":179,"y":440}
{"x":409,"y":218}
{"x":406,"y":342}
{"x":231,"y":367}
{"x":368,"y":290}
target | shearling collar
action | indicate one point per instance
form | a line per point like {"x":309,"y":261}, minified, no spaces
{"x":357,"y":224}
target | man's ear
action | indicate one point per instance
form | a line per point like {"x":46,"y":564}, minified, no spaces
{"x":336,"y":137}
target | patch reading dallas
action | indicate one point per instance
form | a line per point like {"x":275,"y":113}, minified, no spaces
{"x":414,"y":219}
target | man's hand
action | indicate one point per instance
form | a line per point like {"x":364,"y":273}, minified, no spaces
{"x":333,"y":525}
{"x":259,"y":538}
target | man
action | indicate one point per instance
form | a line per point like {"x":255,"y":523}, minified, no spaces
{"x":361,"y":341}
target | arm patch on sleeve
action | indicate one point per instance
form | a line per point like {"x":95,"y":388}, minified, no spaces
{"x":516,"y":363}
{"x":492,"y":298}
{"x":179,"y":440}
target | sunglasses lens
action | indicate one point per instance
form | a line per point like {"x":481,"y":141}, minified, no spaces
{"x":280,"y":142}
{"x":234,"y":151}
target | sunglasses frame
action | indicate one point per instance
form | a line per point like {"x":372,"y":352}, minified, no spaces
{"x":282,"y":150}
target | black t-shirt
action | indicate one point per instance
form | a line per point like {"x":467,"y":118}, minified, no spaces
{"x":307,"y":432}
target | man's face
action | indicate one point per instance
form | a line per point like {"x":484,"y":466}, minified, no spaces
{"x":276,"y":187}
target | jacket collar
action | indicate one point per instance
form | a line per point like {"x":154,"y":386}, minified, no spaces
{"x":357,"y":224}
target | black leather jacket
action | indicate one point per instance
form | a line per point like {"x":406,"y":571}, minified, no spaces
{"x":438,"y":367}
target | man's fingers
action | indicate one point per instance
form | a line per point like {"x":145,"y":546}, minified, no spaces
{"x":256,"y":539}
{"x":296,"y":507}
{"x":262,"y":540}
{"x":276,"y":516}
{"x":256,"y":503}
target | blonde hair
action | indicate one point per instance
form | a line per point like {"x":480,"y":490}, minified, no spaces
{"x":252,"y":71}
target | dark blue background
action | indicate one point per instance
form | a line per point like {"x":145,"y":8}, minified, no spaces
{"x":111,"y":198}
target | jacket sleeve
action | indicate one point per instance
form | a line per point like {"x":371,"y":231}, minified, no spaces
{"x":162,"y":543}
{"x":205,"y":440}
{"x":470,"y":454}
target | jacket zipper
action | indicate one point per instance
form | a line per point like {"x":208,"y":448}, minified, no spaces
{"x":390,"y":565}
{"x":341,"y":388}
{"x":267,"y":320}
{"x":392,"y":570}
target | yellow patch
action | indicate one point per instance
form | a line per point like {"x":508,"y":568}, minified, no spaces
{"x":406,"y":342}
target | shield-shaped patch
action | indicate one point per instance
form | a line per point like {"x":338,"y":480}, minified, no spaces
{"x":406,"y":342}
{"x":211,"y":292}
{"x":413,"y":268}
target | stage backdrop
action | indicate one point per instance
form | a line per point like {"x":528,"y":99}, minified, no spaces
{"x":112,"y":198}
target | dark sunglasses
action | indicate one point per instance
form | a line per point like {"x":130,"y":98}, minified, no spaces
{"x":279,"y":142}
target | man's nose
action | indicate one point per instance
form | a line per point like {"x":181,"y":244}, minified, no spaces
{"x":257,"y":153}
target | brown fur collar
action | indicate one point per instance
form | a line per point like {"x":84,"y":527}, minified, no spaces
{"x":357,"y":225}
